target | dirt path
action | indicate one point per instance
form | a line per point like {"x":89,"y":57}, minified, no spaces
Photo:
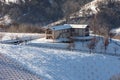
{"x":11,"y":70}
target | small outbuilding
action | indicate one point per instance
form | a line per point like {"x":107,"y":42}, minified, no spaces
{"x":66,"y":31}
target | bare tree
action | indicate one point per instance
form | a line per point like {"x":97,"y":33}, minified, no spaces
{"x":70,"y":7}
{"x":109,"y":13}
{"x":115,"y":77}
{"x":106,"y":43}
{"x":71,"y":44}
{"x":115,"y":50}
{"x":92,"y":44}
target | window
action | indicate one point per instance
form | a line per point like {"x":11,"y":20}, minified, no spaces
{"x":73,"y":30}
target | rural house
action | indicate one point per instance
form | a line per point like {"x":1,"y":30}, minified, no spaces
{"x":66,"y":31}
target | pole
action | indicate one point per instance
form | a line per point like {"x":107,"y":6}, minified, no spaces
{"x":53,"y":35}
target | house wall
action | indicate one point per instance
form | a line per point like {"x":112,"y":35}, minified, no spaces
{"x":80,"y":32}
{"x":67,"y":33}
{"x":49,"y":34}
{"x":55,"y":34}
{"x":61,"y":33}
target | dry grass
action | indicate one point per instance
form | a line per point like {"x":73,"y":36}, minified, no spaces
{"x":25,"y":28}
{"x":115,"y":77}
{"x":117,"y":37}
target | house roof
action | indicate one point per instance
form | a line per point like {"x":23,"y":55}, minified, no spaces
{"x":61,"y":27}
{"x":68,"y":26}
{"x":78,"y":26}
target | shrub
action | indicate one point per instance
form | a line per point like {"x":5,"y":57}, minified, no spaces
{"x":115,"y":77}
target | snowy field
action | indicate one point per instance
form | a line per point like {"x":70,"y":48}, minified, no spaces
{"x":112,"y":48}
{"x":13,"y":37}
{"x":58,"y":64}
{"x":52,"y":64}
{"x":12,"y":70}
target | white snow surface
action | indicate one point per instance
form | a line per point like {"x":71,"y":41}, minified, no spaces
{"x":52,"y":64}
{"x":12,"y":36}
{"x":68,"y":26}
{"x":12,"y":1}
{"x":58,"y":64}
{"x":113,"y":46}
{"x":117,"y":31}
{"x":92,"y":7}
{"x":6,"y":20}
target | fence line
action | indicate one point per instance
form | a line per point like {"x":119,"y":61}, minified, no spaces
{"x":74,"y":50}
{"x":62,"y":48}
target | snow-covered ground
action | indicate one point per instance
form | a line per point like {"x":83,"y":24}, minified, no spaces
{"x":58,"y":64}
{"x":112,"y":48}
{"x":51,"y":64}
{"x":12,"y":37}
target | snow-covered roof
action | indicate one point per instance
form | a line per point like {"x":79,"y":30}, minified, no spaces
{"x":60,"y":27}
{"x":68,"y":26}
{"x":78,"y":25}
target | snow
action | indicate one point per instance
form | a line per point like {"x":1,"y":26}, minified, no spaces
{"x":91,"y":7}
{"x":61,"y":64}
{"x":83,"y":38}
{"x":10,"y":38}
{"x":6,"y":20}
{"x":78,"y":25}
{"x":60,"y":27}
{"x":116,"y":31}
{"x":68,"y":26}
{"x":80,"y":46}
{"x":52,"y":64}
{"x":12,"y":1}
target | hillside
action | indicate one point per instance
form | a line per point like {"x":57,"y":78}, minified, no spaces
{"x":39,"y":11}
{"x":98,"y":13}
{"x":101,"y":15}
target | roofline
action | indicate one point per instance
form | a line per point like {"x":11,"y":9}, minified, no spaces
{"x":68,"y":26}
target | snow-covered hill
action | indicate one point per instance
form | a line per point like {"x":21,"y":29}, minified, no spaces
{"x":37,"y":11}
{"x":91,"y":7}
{"x":12,"y":1}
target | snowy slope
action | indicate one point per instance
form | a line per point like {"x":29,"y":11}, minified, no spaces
{"x":117,"y":31}
{"x":51,"y":64}
{"x":92,"y":7}
{"x":11,"y":36}
{"x":12,"y":1}
{"x":113,"y":46}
